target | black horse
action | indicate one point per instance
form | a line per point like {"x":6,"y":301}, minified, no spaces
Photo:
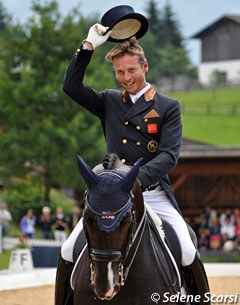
{"x":127,"y":258}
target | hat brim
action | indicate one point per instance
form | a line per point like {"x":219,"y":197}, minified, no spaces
{"x":132,"y":24}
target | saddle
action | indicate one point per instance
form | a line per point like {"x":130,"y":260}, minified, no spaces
{"x":79,"y":245}
{"x":168,"y":234}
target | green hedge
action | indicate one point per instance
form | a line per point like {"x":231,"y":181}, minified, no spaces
{"x":22,"y":196}
{"x":219,"y":256}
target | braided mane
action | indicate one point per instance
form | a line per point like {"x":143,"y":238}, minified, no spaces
{"x":110,"y":161}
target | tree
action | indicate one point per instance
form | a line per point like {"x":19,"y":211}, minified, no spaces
{"x":3,"y":17}
{"x":41,"y":130}
{"x":170,"y":28}
{"x":165,"y":49}
{"x":174,"y":62}
{"x":152,"y":54}
{"x":154,"y":18}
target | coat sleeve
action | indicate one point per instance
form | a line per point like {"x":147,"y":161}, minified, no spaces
{"x":74,"y":87}
{"x":168,"y":150}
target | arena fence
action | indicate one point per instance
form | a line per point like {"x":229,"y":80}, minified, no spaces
{"x":9,"y":243}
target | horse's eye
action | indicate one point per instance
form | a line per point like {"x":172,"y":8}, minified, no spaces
{"x":88,"y":218}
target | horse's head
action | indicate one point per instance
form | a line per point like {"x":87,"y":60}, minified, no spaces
{"x":109,"y":221}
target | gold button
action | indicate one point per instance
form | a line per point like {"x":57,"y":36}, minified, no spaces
{"x":124,"y":141}
{"x":123,"y":161}
{"x":145,"y":120}
{"x":78,"y":50}
{"x":126,"y":123}
{"x":138,"y":127}
{"x":138,"y":143}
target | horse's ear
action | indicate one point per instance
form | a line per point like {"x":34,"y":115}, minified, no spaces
{"x":88,"y":175}
{"x":131,"y":176}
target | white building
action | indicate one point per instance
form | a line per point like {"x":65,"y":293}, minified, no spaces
{"x":220,"y":51}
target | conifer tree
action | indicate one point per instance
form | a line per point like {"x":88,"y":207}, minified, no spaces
{"x":170,"y":28}
{"x":3,"y":16}
{"x":154,"y":18}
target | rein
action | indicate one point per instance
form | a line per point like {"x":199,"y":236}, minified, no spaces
{"x":139,"y":233}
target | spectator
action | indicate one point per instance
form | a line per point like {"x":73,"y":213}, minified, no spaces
{"x":5,"y":218}
{"x":227,"y":229}
{"x":45,"y":223}
{"x":208,"y":214}
{"x":227,"y":213}
{"x":228,"y":246}
{"x":60,"y":225}
{"x":203,"y":239}
{"x":196,"y":225}
{"x":27,"y":224}
{"x":236,"y":247}
{"x":237,"y":227}
{"x":215,"y":234}
{"x":215,"y":228}
{"x":236,"y":214}
{"x":74,"y":218}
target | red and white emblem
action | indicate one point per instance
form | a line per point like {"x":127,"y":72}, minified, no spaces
{"x":152,"y":128}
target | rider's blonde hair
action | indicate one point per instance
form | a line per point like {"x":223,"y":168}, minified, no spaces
{"x":130,"y":46}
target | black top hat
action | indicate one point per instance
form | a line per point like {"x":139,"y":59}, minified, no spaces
{"x":124,"y":23}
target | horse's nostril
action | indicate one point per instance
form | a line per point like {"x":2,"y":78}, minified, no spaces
{"x":104,"y":297}
{"x":107,"y":295}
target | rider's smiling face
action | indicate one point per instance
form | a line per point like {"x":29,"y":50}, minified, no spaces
{"x":130,"y":74}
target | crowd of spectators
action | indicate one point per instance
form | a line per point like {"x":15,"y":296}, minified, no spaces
{"x":57,"y":226}
{"x":50,"y":225}
{"x":217,"y":232}
{"x":214,"y":231}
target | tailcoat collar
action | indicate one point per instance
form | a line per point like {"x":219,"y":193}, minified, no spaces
{"x":148,"y":95}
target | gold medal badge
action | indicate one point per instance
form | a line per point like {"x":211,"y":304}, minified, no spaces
{"x":152,"y":146}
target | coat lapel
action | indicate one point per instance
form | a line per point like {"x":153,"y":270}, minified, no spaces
{"x":143,"y":103}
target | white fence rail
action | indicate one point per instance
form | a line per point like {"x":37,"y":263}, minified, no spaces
{"x":11,"y":242}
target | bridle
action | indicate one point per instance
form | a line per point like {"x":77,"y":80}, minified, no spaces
{"x":124,"y":257}
{"x":108,"y":214}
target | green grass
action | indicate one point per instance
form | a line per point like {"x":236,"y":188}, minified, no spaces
{"x":219,"y":96}
{"x":14,"y":230}
{"x":212,"y":129}
{"x":219,"y":126}
{"x":5,"y":259}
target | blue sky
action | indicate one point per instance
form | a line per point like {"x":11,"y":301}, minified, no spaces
{"x":193,"y":15}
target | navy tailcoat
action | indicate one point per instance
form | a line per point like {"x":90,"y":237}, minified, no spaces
{"x":150,"y":128}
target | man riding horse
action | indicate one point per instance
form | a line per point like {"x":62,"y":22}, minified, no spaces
{"x":137,"y":122}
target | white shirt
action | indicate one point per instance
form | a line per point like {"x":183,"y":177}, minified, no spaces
{"x":5,"y":216}
{"x":135,"y":97}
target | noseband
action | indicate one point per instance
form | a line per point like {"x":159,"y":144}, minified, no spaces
{"x":120,"y":255}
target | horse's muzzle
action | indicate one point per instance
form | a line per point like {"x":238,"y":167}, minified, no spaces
{"x":105,"y":275}
{"x":108,"y":296}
